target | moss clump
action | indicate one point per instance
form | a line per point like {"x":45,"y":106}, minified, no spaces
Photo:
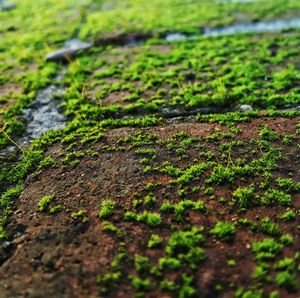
{"x":268,"y":248}
{"x":44,"y":202}
{"x":224,"y":231}
{"x":107,"y":209}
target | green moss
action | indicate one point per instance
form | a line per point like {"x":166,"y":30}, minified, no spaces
{"x":223,"y":230}
{"x":109,"y":227}
{"x":273,"y":196}
{"x":268,"y":248}
{"x":287,"y":184}
{"x":241,"y":293}
{"x":261,"y":272}
{"x":287,"y":280}
{"x":288,"y":215}
{"x":151,"y":219}
{"x":267,"y":134}
{"x":182,"y":207}
{"x":44,"y":202}
{"x":56,"y":209}
{"x":186,"y":289}
{"x":183,"y":241}
{"x":154,"y":241}
{"x":107,"y":209}
{"x":268,"y":227}
{"x":111,"y":87}
{"x":80,"y":215}
{"x":141,"y":264}
{"x":6,"y":199}
{"x":231,"y":263}
{"x":286,"y":239}
{"x":244,"y":197}
{"x":140,"y":284}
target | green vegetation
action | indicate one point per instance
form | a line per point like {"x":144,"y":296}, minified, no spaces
{"x":223,"y":230}
{"x":44,"y":202}
{"x":109,"y":227}
{"x":266,"y":249}
{"x":244,"y":197}
{"x":107,"y":209}
{"x":151,"y":219}
{"x":154,"y":241}
{"x":183,"y":249}
{"x":180,"y":209}
{"x":273,"y":196}
{"x":56,"y":209}
{"x":193,"y":192}
{"x":267,"y":134}
{"x":80,"y":215}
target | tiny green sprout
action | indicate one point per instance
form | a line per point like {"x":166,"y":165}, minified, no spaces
{"x":144,"y":161}
{"x":286,"y":239}
{"x":274,"y":294}
{"x":187,"y":289}
{"x":268,"y":248}
{"x":154,"y":241}
{"x":136,"y":203}
{"x":109,"y":227}
{"x":140,"y":284}
{"x":218,"y":287}
{"x":241,"y":293}
{"x":150,"y":200}
{"x":151,"y":186}
{"x":107,"y":209}
{"x":222,"y":200}
{"x":55,"y":209}
{"x":169,"y":262}
{"x":286,"y":184}
{"x":168,"y":285}
{"x":107,"y":280}
{"x":147,"y":169}
{"x":151,"y":219}
{"x":209,"y":191}
{"x":288,"y":215}
{"x":268,"y":227}
{"x":244,"y":197}
{"x":287,"y":280}
{"x":224,"y":231}
{"x":81,"y":214}
{"x":47,"y":162}
{"x":274,"y":196}
{"x":44,"y":202}
{"x":149,"y":152}
{"x":142,"y":264}
{"x":231,"y":263}
{"x":261,"y":272}
{"x":287,"y":139}
{"x":285,"y":264}
{"x":184,"y":241}
{"x":267,"y":134}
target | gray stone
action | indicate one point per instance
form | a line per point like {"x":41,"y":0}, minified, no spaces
{"x":175,"y":36}
{"x":245,"y":108}
{"x":258,"y":27}
{"x":69,"y":52}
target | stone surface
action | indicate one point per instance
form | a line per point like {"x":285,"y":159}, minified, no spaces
{"x":69,"y":52}
{"x":245,"y":108}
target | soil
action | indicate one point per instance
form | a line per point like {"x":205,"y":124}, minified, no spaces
{"x":60,"y":256}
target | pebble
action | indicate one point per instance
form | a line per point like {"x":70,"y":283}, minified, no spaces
{"x":70,"y":51}
{"x":245,"y":108}
{"x":176,"y":36}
